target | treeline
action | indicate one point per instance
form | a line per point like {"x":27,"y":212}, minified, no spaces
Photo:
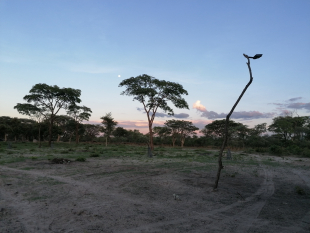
{"x":286,"y":134}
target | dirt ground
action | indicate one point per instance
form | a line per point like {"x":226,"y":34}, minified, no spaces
{"x":125,"y":195}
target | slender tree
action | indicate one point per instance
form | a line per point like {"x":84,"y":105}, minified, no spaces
{"x":220,"y":164}
{"x":154,"y":94}
{"x":79,"y":114}
{"x":109,"y":126}
{"x":180,"y":129}
{"x":34,"y":113}
{"x":173,"y":129}
{"x":50,"y":99}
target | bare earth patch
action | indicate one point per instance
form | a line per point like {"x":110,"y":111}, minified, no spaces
{"x":124,"y":195}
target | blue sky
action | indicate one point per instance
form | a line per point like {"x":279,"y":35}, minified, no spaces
{"x":87,"y":44}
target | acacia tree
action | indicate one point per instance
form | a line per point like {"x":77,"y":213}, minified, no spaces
{"x":154,"y":94}
{"x":109,"y":126}
{"x":173,"y":128}
{"x":50,"y":99}
{"x":186,"y":128}
{"x":161,"y":132}
{"x":34,"y":113}
{"x":79,"y":114}
{"x":181,"y":129}
{"x":91,"y":131}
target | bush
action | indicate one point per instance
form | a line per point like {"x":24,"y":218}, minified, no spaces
{"x":294,"y":149}
{"x":94,"y":155}
{"x":80,"y":159}
{"x":277,"y":150}
{"x":306,"y":152}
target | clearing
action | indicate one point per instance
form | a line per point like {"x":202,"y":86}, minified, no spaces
{"x":119,"y":189}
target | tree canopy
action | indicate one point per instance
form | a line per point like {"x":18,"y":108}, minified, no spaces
{"x":48,"y":100}
{"x":154,"y":94}
{"x":109,"y":125}
{"x":79,"y":114}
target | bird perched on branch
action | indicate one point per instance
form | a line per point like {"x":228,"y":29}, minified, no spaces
{"x":255,"y":57}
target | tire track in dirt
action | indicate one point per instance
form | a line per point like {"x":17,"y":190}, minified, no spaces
{"x":81,"y":186}
{"x":305,"y":221}
{"x":239,"y":216}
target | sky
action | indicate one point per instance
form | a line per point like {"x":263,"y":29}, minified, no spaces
{"x":93,"y":45}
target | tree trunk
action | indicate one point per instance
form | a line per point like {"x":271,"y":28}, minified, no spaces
{"x":220,"y":164}
{"x":182,"y":142}
{"x":151,"y":136}
{"x":5,"y":137}
{"x":40,"y":136}
{"x":50,"y":132}
{"x":77,"y":134}
{"x":106,"y":141}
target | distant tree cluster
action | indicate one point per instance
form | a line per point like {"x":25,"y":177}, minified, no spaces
{"x":287,"y":134}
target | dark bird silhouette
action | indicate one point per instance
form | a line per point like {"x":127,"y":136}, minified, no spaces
{"x":257,"y":56}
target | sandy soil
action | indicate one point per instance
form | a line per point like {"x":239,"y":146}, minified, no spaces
{"x":119,"y":195}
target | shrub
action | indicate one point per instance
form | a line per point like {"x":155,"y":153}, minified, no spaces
{"x":80,"y":159}
{"x":94,"y":155}
{"x":276,"y":150}
{"x":306,"y":152}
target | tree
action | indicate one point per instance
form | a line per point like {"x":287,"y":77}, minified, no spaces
{"x":220,"y":164}
{"x":66,"y":127}
{"x":161,"y":132}
{"x":154,"y":94}
{"x":289,"y":128}
{"x":173,"y":128}
{"x":120,"y":132}
{"x":34,"y":113}
{"x":79,"y":114}
{"x":91,"y":131}
{"x":181,"y":129}
{"x":50,"y":99}
{"x":186,"y":128}
{"x":109,"y":126}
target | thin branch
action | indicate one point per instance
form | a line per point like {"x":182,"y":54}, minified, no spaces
{"x":220,"y":164}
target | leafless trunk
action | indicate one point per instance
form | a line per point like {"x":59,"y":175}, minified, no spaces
{"x":173,"y":141}
{"x":40,"y":136}
{"x":151,"y":136}
{"x":220,"y":164}
{"x":50,"y":132}
{"x":182,"y":141}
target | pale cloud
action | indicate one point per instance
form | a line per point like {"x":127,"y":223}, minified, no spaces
{"x":161,"y":114}
{"x":236,"y":115}
{"x":289,"y":105}
{"x":299,"y":106}
{"x":197,"y":105}
{"x":294,"y":99}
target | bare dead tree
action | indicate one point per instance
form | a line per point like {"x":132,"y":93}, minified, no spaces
{"x":220,"y":164}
